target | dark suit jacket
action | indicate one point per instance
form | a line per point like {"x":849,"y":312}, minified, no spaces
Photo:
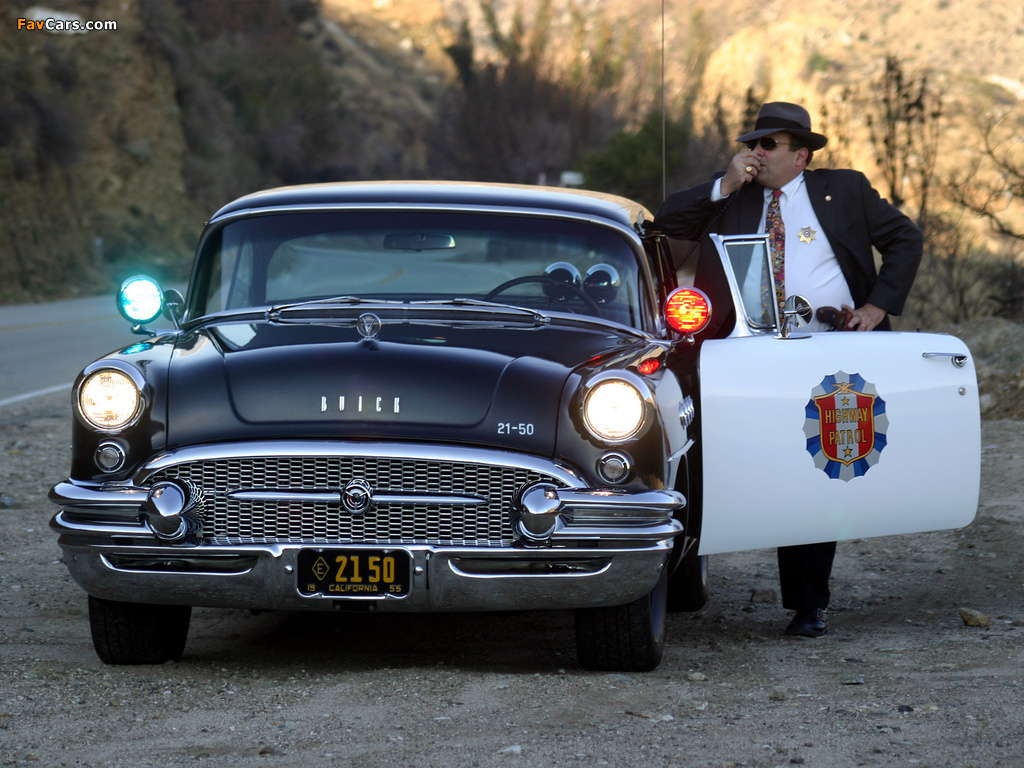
{"x":852,"y":214}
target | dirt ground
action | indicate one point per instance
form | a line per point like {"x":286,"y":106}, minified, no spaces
{"x":900,"y":680}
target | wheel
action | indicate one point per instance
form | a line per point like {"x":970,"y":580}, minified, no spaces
{"x":577,"y":293}
{"x":688,"y":584}
{"x":133,"y":633}
{"x":624,"y":638}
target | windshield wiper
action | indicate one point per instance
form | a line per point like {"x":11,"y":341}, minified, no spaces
{"x":539,"y":317}
{"x":274,"y":313}
{"x":490,"y":306}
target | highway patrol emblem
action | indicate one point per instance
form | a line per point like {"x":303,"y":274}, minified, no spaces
{"x":845,"y":426}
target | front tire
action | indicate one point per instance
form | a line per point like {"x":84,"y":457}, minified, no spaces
{"x":624,"y":638}
{"x":135,"y":633}
{"x":688,"y":584}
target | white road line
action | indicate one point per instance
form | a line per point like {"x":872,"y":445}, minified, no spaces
{"x":37,"y":393}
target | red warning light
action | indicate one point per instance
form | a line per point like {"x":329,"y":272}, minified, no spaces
{"x":688,"y":310}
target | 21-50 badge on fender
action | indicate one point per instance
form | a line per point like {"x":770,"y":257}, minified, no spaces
{"x":845,"y":426}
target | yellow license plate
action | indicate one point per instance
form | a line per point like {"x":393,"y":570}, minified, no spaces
{"x":343,"y":573}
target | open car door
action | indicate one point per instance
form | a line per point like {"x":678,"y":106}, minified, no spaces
{"x":835,"y":436}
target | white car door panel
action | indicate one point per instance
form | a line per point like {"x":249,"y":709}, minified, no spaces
{"x":836,"y":436}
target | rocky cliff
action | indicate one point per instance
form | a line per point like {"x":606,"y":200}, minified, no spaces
{"x":115,"y":145}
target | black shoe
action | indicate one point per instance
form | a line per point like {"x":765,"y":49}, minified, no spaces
{"x":808,"y":624}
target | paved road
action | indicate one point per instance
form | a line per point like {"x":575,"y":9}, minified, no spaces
{"x":44,"y":346}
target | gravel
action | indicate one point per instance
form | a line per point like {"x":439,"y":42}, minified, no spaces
{"x":924,"y":664}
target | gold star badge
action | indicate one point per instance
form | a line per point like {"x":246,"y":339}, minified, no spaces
{"x":807,"y":235}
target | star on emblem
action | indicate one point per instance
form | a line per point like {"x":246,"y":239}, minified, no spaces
{"x":807,"y":235}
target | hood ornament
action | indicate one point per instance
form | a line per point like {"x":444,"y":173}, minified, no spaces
{"x":368,"y":326}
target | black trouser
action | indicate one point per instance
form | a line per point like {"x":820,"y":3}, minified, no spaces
{"x":804,"y":571}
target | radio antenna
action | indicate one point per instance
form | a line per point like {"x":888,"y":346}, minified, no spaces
{"x":664,"y":161}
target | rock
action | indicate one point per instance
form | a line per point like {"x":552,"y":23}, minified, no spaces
{"x":974,"y":618}
{"x":763,"y":596}
{"x":6,"y":501}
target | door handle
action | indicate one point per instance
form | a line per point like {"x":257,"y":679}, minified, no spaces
{"x":956,"y":358}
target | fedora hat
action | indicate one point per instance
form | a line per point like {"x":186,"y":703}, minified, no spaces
{"x":789,"y":118}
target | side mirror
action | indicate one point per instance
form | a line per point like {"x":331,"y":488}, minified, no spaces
{"x":174,"y":303}
{"x":797,"y":313}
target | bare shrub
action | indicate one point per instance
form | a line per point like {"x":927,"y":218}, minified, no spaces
{"x":531,"y":107}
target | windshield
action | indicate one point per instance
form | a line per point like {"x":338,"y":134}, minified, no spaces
{"x":536,"y":263}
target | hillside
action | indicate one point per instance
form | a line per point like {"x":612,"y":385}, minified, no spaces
{"x":114,"y":146}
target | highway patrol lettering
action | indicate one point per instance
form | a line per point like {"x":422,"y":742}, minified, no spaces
{"x":846,"y":415}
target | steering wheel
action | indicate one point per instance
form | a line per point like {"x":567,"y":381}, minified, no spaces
{"x":545,"y":280}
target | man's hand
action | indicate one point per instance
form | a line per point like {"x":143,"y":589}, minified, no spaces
{"x":865,"y":318}
{"x":743,"y":169}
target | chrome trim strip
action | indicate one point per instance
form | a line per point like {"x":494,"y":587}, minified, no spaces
{"x":63,"y":524}
{"x":332,"y":448}
{"x":624,"y":528}
{"x":619,"y":503}
{"x":564,"y":567}
{"x":181,"y":562}
{"x":72,"y":494}
{"x":334,"y":497}
{"x":645,"y":531}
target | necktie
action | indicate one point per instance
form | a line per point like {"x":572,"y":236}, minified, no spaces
{"x":776,"y":231}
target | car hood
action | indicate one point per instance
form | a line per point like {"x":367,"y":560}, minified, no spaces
{"x":488,"y":385}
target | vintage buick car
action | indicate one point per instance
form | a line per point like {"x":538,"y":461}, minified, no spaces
{"x":458,"y":397}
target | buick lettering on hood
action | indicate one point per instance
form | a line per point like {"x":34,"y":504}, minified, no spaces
{"x":468,"y":397}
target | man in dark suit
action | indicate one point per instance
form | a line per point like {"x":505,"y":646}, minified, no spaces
{"x":832,"y":221}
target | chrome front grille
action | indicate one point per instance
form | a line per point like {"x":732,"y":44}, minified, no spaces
{"x":234,"y":521}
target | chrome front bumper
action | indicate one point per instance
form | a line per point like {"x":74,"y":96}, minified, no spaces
{"x":572,"y":547}
{"x":264,"y":577}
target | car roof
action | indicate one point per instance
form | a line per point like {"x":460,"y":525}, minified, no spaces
{"x":442,"y":194}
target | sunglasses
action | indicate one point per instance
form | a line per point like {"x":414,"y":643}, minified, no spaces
{"x":767,"y":143}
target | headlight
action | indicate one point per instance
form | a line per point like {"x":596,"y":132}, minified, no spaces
{"x":614,"y":410}
{"x":109,"y":399}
